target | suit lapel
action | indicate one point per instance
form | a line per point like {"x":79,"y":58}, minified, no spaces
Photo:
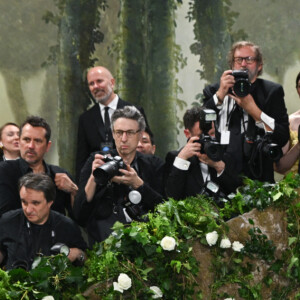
{"x":97,"y":118}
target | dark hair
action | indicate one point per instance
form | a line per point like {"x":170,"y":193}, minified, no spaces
{"x":1,"y":131}
{"x":129,"y":112}
{"x":297,"y":79}
{"x":241,"y":44}
{"x":151,"y":136}
{"x":36,"y":121}
{"x":191,"y":116}
{"x":39,"y":182}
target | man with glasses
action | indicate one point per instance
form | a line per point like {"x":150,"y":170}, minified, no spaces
{"x":135,"y":188}
{"x":246,"y":121}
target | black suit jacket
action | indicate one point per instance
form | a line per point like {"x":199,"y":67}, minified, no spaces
{"x":91,"y":133}
{"x":269,"y":97}
{"x":106,"y":206}
{"x":181,"y":184}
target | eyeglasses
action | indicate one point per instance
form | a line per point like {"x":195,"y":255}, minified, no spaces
{"x":129,"y":133}
{"x":249,"y":60}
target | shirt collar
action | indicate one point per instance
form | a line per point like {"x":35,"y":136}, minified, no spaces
{"x":113,"y":104}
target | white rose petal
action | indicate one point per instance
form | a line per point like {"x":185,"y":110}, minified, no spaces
{"x":212,"y":238}
{"x":157,"y":292}
{"x":48,"y":298}
{"x":124,"y":281}
{"x":168,"y":243}
{"x":225,"y":243}
{"x":117,"y":287}
{"x":237,"y":246}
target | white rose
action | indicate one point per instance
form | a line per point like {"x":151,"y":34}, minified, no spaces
{"x":225,"y":243}
{"x":212,"y":238}
{"x":168,"y":243}
{"x":237,"y":246}
{"x":48,"y":298}
{"x":157,"y":292}
{"x":229,"y":299}
{"x":124,"y":281}
{"x":117,"y":287}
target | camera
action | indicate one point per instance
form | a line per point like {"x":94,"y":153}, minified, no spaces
{"x":209,"y":145}
{"x":134,"y":208}
{"x":242,"y":84}
{"x":110,"y":169}
{"x":211,"y":189}
{"x":264,"y":146}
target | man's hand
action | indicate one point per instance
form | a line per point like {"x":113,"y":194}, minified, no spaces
{"x":226,"y":82}
{"x":76,"y":254}
{"x":64,"y":183}
{"x":219,"y":166}
{"x":190,"y":149}
{"x":129,"y":177}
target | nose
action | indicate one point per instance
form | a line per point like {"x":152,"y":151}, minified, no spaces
{"x":31,"y":145}
{"x":124,"y":136}
{"x":244,"y":63}
{"x":140,"y":145}
{"x":28,"y":209}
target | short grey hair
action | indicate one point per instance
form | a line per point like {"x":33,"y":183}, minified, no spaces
{"x":131,"y":113}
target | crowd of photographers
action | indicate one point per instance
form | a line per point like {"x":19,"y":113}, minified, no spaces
{"x":239,"y":131}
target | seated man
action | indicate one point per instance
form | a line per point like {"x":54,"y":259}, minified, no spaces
{"x":99,"y":206}
{"x":33,"y":230}
{"x":188,"y":170}
{"x":34,"y":144}
{"x":146,"y":144}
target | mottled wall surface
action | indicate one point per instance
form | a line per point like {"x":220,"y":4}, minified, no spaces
{"x":27,"y":88}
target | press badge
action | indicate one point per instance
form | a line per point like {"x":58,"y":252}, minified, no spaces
{"x":225,"y":137}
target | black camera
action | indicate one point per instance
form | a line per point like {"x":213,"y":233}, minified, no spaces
{"x":209,"y":145}
{"x":213,"y":190}
{"x":263,"y":146}
{"x":242,"y":84}
{"x":110,"y":169}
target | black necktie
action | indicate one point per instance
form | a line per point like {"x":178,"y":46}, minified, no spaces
{"x":108,"y":135}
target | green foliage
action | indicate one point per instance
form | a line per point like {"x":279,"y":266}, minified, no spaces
{"x":51,"y":276}
{"x":137,"y":249}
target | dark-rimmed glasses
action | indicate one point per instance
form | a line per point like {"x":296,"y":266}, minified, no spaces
{"x":248,"y":59}
{"x":129,"y":133}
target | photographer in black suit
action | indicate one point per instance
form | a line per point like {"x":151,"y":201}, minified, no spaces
{"x":252,"y":116}
{"x":120,"y":188}
{"x":94,"y":131}
{"x":189,"y":170}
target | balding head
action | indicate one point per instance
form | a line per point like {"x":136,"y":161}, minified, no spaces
{"x":101,"y":84}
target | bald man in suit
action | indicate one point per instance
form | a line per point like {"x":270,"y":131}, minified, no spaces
{"x":94,"y":132}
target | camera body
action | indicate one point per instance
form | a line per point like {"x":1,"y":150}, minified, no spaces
{"x":263,"y":145}
{"x":213,"y":190}
{"x":110,"y":169}
{"x":242,"y":84}
{"x":209,"y":144}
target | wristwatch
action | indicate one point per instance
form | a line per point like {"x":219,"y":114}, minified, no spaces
{"x":81,"y":257}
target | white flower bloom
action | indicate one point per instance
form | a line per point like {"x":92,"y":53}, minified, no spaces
{"x":225,"y":243}
{"x":117,"y":287}
{"x":168,"y":243}
{"x":229,"y":299}
{"x":48,"y":298}
{"x":212,"y":238}
{"x":237,"y":246}
{"x":157,"y":292}
{"x":124,"y":281}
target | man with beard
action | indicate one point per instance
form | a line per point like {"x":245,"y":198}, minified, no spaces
{"x":249,"y":122}
{"x":35,"y":142}
{"x":94,"y":131}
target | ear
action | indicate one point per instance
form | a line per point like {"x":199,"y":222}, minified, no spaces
{"x":50,"y":204}
{"x":113,"y":82}
{"x":187,"y":133}
{"x":153,"y":149}
{"x":48,"y":146}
